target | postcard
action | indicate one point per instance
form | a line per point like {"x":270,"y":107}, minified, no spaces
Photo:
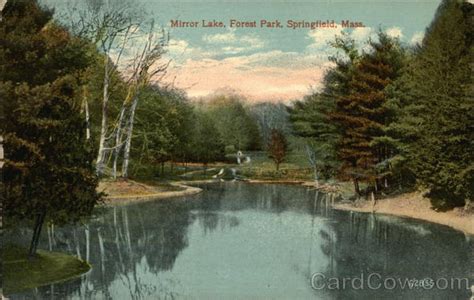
{"x":317,"y":149}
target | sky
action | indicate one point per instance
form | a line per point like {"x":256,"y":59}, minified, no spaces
{"x":271,"y":64}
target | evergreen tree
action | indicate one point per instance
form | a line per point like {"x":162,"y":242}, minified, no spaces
{"x":361,"y":113}
{"x":48,"y":172}
{"x":313,"y":119}
{"x":310,"y":121}
{"x":436,"y":109}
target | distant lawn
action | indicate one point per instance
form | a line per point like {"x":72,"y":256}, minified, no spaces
{"x":48,"y":267}
{"x":295,"y":167}
{"x":294,"y":159}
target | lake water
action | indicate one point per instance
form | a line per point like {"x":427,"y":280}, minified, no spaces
{"x":243,"y":241}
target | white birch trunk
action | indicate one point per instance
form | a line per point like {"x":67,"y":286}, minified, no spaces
{"x":88,"y":124}
{"x":118,"y":141}
{"x":128,"y":141}
{"x":312,"y":160}
{"x":374,"y":202}
{"x":85,"y":110}
{"x":103,"y":128}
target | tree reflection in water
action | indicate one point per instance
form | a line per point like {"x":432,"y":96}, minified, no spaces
{"x":237,"y":240}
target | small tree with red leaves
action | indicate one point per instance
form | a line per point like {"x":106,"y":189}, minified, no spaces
{"x":278,"y":147}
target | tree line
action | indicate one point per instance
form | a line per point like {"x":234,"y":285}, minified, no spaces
{"x":395,"y":117}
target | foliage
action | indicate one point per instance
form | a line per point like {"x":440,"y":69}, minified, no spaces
{"x":207,"y":143}
{"x":361,"y":113}
{"x":234,"y":123}
{"x":153,"y":136}
{"x":310,"y":120}
{"x":436,"y":112}
{"x":277,"y":147}
{"x":396,"y":117}
{"x":48,"y":172}
{"x":270,"y":116}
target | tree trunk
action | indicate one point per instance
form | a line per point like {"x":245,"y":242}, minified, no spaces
{"x":128,"y":142}
{"x":118,"y":141}
{"x":88,"y":125}
{"x":356,"y":187}
{"x":316,"y":177}
{"x":36,"y":234}
{"x":103,"y":128}
{"x":374,"y":202}
{"x":86,"y":111}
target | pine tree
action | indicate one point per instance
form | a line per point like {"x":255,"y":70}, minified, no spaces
{"x":437,"y":111}
{"x":48,"y":174}
{"x":310,"y":121}
{"x":361,"y":113}
{"x":312,"y":117}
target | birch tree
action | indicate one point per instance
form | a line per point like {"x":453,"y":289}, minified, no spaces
{"x":146,"y":66}
{"x":108,"y":25}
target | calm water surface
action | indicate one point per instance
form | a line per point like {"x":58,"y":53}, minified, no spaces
{"x":242,"y":241}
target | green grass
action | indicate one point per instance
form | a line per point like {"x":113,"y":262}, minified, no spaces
{"x":261,"y":166}
{"x":295,"y":167}
{"x":176,"y":172}
{"x":20,"y":274}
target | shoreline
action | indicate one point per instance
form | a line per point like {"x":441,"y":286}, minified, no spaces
{"x":414,"y":206}
{"x":49,"y":267}
{"x":410,"y":205}
{"x":323,"y":187}
{"x":151,"y":193}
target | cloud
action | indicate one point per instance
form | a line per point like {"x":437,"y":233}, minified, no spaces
{"x":180,"y":51}
{"x":231,"y":43}
{"x":394,"y":32}
{"x":273,"y":75}
{"x":321,"y":37}
{"x":228,"y":37}
{"x":362,"y":34}
{"x":241,"y":61}
{"x":417,"y":38}
{"x":177,"y":45}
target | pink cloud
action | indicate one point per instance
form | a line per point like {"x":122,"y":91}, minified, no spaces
{"x":269,"y":76}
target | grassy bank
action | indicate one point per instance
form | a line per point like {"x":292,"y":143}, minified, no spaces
{"x":126,"y":191}
{"x":120,"y":187}
{"x":20,"y":274}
